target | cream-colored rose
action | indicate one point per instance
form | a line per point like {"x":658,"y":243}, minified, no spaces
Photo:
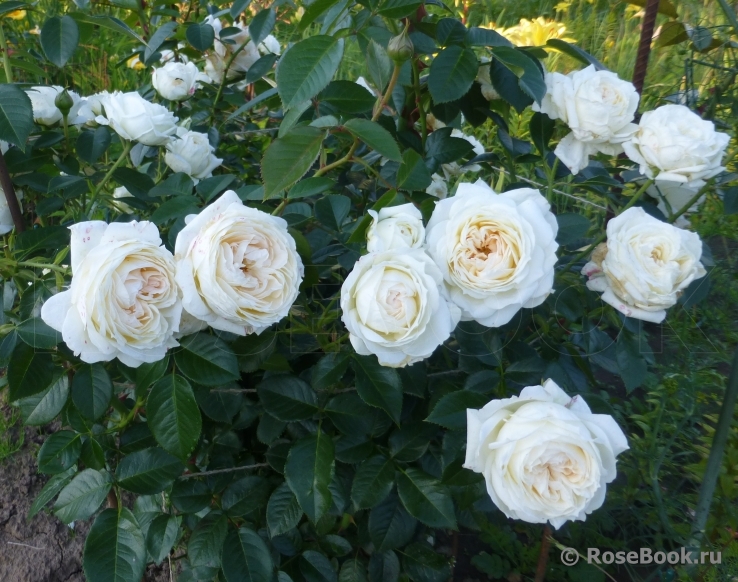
{"x":496,"y":251}
{"x":240,"y":44}
{"x":133,"y":118}
{"x":544,"y":456}
{"x":394,"y":306}
{"x":645,"y":265}
{"x":190,"y":152}
{"x":176,"y":81}
{"x":674,"y":144}
{"x":123,"y":301}
{"x":395,"y":228}
{"x":238,"y":267}
{"x":599,"y":109}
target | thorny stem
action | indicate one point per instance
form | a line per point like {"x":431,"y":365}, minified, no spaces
{"x":219,"y":471}
{"x":34,"y":265}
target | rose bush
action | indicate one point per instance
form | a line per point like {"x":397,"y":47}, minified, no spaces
{"x":297,"y":327}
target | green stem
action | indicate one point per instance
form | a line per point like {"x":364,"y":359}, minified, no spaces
{"x":126,"y":150}
{"x":551,"y":175}
{"x":715,"y":460}
{"x":635,"y":198}
{"x":229,"y":62}
{"x":729,"y":14}
{"x":689,"y":204}
{"x":418,"y":102}
{"x":6,"y":58}
{"x":278,"y":210}
{"x":35,"y":265}
{"x":390,"y":87}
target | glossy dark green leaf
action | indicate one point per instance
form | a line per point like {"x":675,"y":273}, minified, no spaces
{"x":59,"y":39}
{"x":373,"y":481}
{"x":92,"y":390}
{"x":413,"y":173}
{"x":287,"y":397}
{"x":423,"y":564}
{"x":450,"y":410}
{"x":288,"y":158}
{"x":29,"y":372}
{"x":283,"y":511}
{"x":36,"y":333}
{"x":59,"y":452}
{"x":262,"y":24}
{"x":83,"y":496}
{"x":115,"y":549}
{"x":206,"y":360}
{"x":246,"y":557}
{"x":245,"y":496}
{"x":378,"y":386}
{"x":43,"y":407}
{"x":161,"y":536}
{"x":315,"y":567}
{"x":308,"y":472}
{"x":206,"y":542}
{"x":148,"y":471}
{"x":426,"y":498}
{"x":390,"y":525}
{"x":375,"y":136}
{"x":452,"y":73}
{"x":173,"y":415}
{"x":53,"y":486}
{"x":348,"y":97}
{"x":190,"y":495}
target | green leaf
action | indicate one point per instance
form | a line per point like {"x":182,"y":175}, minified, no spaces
{"x":332,"y":210}
{"x":631,"y":364}
{"x":59,"y":39}
{"x":409,"y":442}
{"x":450,"y":410}
{"x":109,"y":22}
{"x":288,"y":158}
{"x":173,"y":415}
{"x":200,"y":36}
{"x":178,"y":184}
{"x":93,"y":144}
{"x":373,"y":481}
{"x":384,"y":567}
{"x":730,"y":200}
{"x":350,"y":414}
{"x":59,"y":452}
{"x":315,"y":567}
{"x":307,"y":67}
{"x":268,"y":94}
{"x":261,"y":25}
{"x":206,"y":542}
{"x":16,"y":116}
{"x":37,"y":334}
{"x":310,"y":187}
{"x":313,"y":11}
{"x":378,"y":64}
{"x":378,"y":386}
{"x":161,"y":536}
{"x":158,"y":38}
{"x":329,"y":370}
{"x":11,"y":6}
{"x":573,"y":227}
{"x":260,"y":68}
{"x":476,"y":36}
{"x":523,"y":66}
{"x":46,"y":239}
{"x":147,"y":374}
{"x":92,"y":454}
{"x":115,"y":549}
{"x":541,"y":131}
{"x":441,"y":148}
{"x":238,"y":7}
{"x":283,"y":511}
{"x":308,"y":472}
{"x":398,"y":8}
{"x":83,"y":496}
{"x":347,"y":96}
{"x":206,"y":360}
{"x":452,"y":73}
{"x":375,"y":136}
{"x":413,"y":173}
{"x":506,"y":83}
{"x":246,"y":557}
{"x":245,"y":496}
{"x":353,"y":570}
{"x":92,"y":390}
{"x":423,"y":564}
{"x":359,"y":234}
{"x":148,"y":471}
{"x":287,"y":397}
{"x":43,"y":407}
{"x":390,"y":525}
{"x":190,"y":495}
{"x":50,"y":490}
{"x":426,"y":498}
{"x":577,"y":53}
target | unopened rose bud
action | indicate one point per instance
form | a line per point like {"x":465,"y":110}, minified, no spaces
{"x":400,"y":48}
{"x":64,"y":102}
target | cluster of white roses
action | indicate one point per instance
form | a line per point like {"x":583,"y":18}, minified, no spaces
{"x":483,"y":257}
{"x":134,"y":119}
{"x":234,"y":268}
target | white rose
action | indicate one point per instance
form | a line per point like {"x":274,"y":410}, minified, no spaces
{"x":454,"y":168}
{"x":240,"y":43}
{"x":394,"y":306}
{"x":644,"y":266}
{"x":395,"y":228}
{"x":673,"y":196}
{"x":45,"y":111}
{"x":123,"y":301}
{"x":121,"y":193}
{"x":496,"y":251}
{"x":544,"y":455}
{"x":192,"y":154}
{"x":133,"y":118}
{"x":599,"y":109}
{"x":438,"y":187}
{"x":176,"y":81}
{"x":483,"y":78}
{"x":674,"y":144}
{"x":238,"y":267}
{"x":6,"y":219}
{"x":270,"y":45}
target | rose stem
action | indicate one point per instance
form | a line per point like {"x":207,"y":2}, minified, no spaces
{"x":7,"y":185}
{"x":543,"y":555}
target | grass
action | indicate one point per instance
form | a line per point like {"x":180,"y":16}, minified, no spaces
{"x":12,"y":435}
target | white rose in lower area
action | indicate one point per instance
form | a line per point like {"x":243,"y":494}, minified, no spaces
{"x":544,"y":456}
{"x":496,"y":251}
{"x":599,"y":109}
{"x":394,"y":306}
{"x":395,"y":228}
{"x":238,"y":267}
{"x":674,"y":144}
{"x":190,"y":152}
{"x":123,"y":301}
{"x":645,"y":265}
{"x":45,"y":111}
{"x":135,"y":119}
{"x":176,"y":81}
